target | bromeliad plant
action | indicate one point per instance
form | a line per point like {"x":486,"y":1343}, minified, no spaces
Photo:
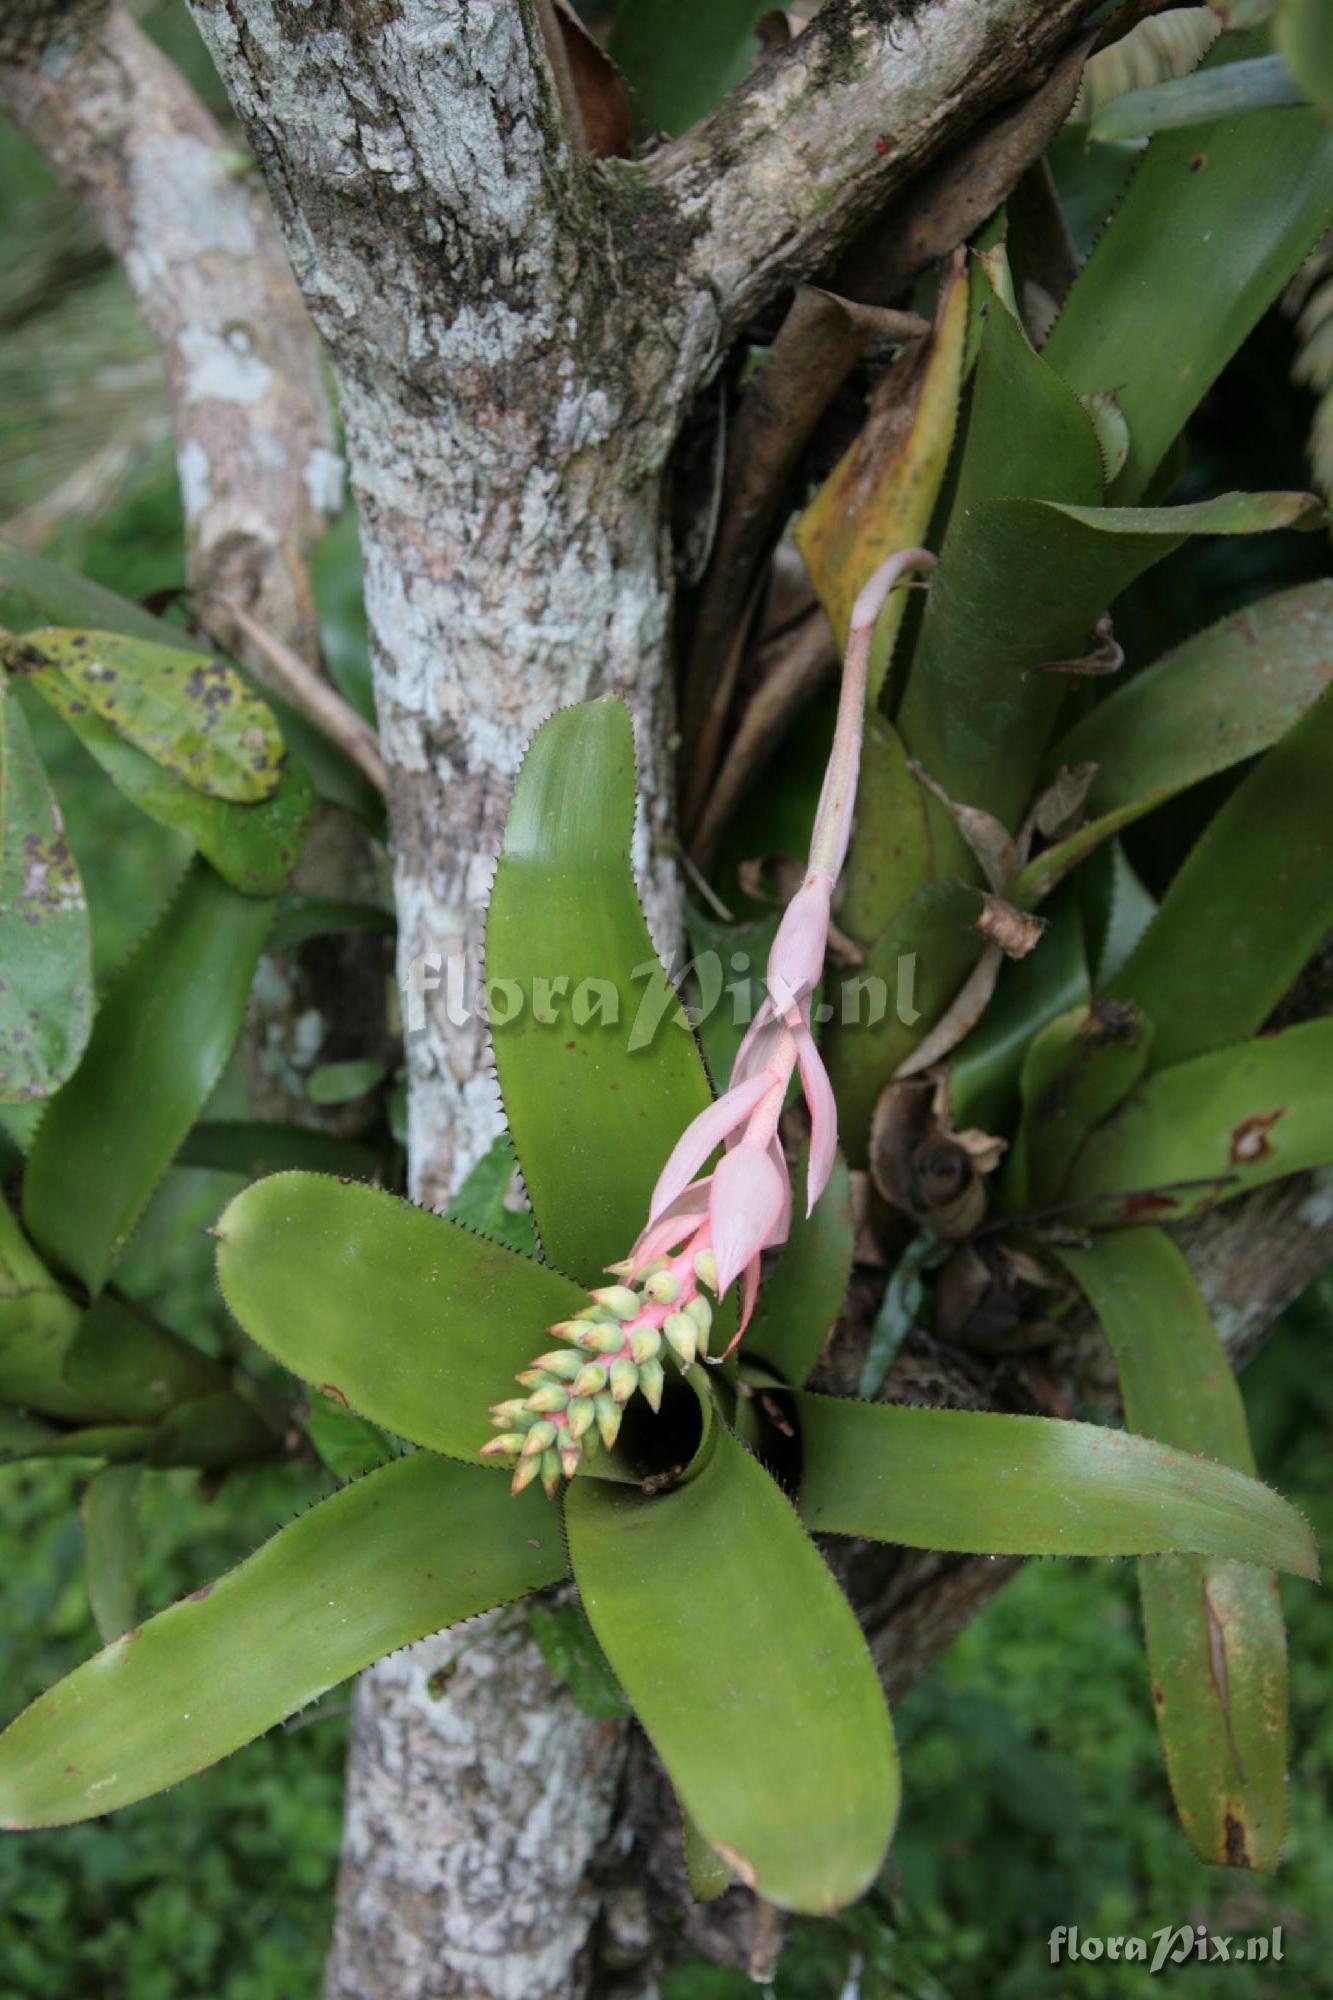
{"x":1080,"y":1068}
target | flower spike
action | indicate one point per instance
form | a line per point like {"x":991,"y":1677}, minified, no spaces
{"x":706,"y":1231}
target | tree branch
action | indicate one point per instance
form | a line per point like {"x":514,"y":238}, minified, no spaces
{"x":254,"y":435}
{"x":824,"y":130}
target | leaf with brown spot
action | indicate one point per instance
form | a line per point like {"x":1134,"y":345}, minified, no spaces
{"x":190,"y":713}
{"x":46,"y":997}
{"x":1216,"y":1646}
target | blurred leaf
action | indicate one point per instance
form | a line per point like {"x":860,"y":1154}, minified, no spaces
{"x":1221,"y":697}
{"x":71,"y":599}
{"x":1253,"y":85}
{"x":255,"y":1147}
{"x":1233,"y":1119}
{"x":36,"y":1331}
{"x":46,"y":997}
{"x":21,"y":1435}
{"x":252,"y":847}
{"x":1303,"y":32}
{"x":401,"y":1553}
{"x":901,"y":1303}
{"x":408,"y":1319}
{"x":882,"y":492}
{"x":705,"y":1870}
{"x":1213,"y":223}
{"x":340,"y":1082}
{"x":482,"y":1201}
{"x":1216,"y":1647}
{"x":804,"y":1292}
{"x":748,"y":1671}
{"x":110,"y":1510}
{"x":598,"y":1070}
{"x":162,"y":1034}
{"x":347,"y":1444}
{"x":681,"y":57}
{"x":1248,"y":907}
{"x":213,"y":1432}
{"x":195,"y":716}
{"x":304,"y":917}
{"x":1076,"y":1071}
{"x":568,"y":1644}
{"x":983,"y":1484}
{"x":114,"y":1443}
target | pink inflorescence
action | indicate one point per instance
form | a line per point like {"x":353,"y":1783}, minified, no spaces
{"x":708,"y":1230}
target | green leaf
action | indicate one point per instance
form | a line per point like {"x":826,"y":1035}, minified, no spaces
{"x":1221,"y":697}
{"x":110,"y":1511}
{"x":71,"y":599}
{"x":22,"y":1436}
{"x":404,"y":1552}
{"x":46,"y":987}
{"x":748,"y":1671}
{"x":255,"y":1147}
{"x":37,"y":1329}
{"x":1075,"y":1073}
{"x":115,"y":1443}
{"x":1231,"y":1120}
{"x":340,"y":1082}
{"x":1248,"y":907}
{"x":1212,"y":225}
{"x":970,"y":714}
{"x":124,"y":1363}
{"x":679,"y":60}
{"x":195,"y":716}
{"x":482,"y":1201}
{"x":1256,"y":84}
{"x":984,"y":1484}
{"x":568,"y":1645}
{"x":347,"y":1444}
{"x":305,"y":917}
{"x":594,"y":1105}
{"x":213,"y":1432}
{"x":252,"y":847}
{"x":1030,"y":993}
{"x":919,"y":961}
{"x":162,"y":1035}
{"x":1216,"y":1647}
{"x":804,"y":1292}
{"x":891,"y":855}
{"x":1303,"y":32}
{"x":409,"y":1319}
{"x":1028,"y":582}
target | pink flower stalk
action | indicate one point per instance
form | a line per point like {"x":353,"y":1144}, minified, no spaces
{"x":711,"y":1229}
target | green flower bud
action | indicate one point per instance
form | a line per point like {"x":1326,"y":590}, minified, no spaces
{"x":533,"y":1378}
{"x":563,"y":1362}
{"x":662,"y":1288}
{"x":551,"y":1472}
{"x":608,"y":1419}
{"x":617,"y":1299}
{"x":570,"y":1454}
{"x":682,"y":1336}
{"x":507,"y":1446}
{"x":538,"y":1438}
{"x":568,"y":1329}
{"x":579,"y":1416}
{"x":624,"y":1378}
{"x":645,"y":1344}
{"x":701,"y":1313}
{"x":590,"y":1378}
{"x":652,"y":1377}
{"x":505,"y":1414}
{"x":552,"y":1396}
{"x":524,"y":1473}
{"x":705,"y":1269}
{"x":601,"y":1339}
